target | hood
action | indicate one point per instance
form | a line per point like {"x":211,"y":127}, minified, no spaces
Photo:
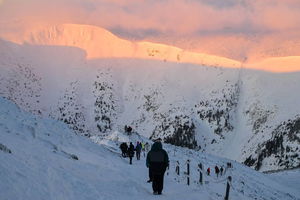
{"x":156,"y":146}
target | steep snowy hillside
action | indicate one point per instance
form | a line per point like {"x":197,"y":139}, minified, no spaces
{"x":246,"y":115}
{"x":43,"y":159}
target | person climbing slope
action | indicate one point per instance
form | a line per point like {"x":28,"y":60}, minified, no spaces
{"x":138,"y":149}
{"x":130,"y":152}
{"x":157,"y":161}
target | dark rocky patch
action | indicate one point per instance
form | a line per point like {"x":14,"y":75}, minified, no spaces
{"x":4,"y":148}
{"x":283,"y":146}
{"x":179,"y":131}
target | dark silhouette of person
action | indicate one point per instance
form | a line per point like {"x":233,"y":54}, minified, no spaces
{"x":130,"y":152}
{"x":129,"y":130}
{"x":221,"y":170}
{"x":138,"y":149}
{"x":208,"y":171}
{"x":217,"y":170}
{"x":124,"y":148}
{"x":157,"y":161}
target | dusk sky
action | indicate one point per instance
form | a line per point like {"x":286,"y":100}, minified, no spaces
{"x":143,"y":18}
{"x":231,"y":28}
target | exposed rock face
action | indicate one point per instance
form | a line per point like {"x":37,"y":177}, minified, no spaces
{"x":259,"y":117}
{"x":70,"y":111}
{"x":23,"y":86}
{"x":282,"y":149}
{"x":104,"y":106}
{"x":218,"y":112}
{"x":178,"y":130}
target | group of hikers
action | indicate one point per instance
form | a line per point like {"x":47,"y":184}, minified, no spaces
{"x":128,"y":151}
{"x":218,"y":170}
{"x":157,"y":161}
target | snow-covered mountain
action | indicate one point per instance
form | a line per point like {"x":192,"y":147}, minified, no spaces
{"x":43,"y":159}
{"x":72,"y":74}
{"x":100,"y":43}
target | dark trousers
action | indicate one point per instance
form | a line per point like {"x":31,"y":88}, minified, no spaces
{"x":130,"y":160}
{"x":158,"y":182}
{"x":150,"y":175}
{"x":138,"y":155}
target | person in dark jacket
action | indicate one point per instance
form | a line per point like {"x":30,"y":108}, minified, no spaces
{"x":138,"y":149}
{"x":130,"y":152}
{"x":221,"y":170}
{"x":157,"y":161}
{"x":208,"y":171}
{"x":217,"y":171}
{"x":124,"y":148}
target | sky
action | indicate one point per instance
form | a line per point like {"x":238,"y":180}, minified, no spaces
{"x":181,"y":23}
{"x":143,"y":18}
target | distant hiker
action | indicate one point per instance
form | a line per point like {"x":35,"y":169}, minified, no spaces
{"x":138,"y":149}
{"x":125,"y":129}
{"x":157,"y":161}
{"x":130,"y":152}
{"x":229,"y":165}
{"x":143,"y":148}
{"x":221,"y":170}
{"x":124,"y":148}
{"x":129,"y":130}
{"x":147,"y":147}
{"x":208,"y":171}
{"x":217,"y":170}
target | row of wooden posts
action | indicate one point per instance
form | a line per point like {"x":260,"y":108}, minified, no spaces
{"x":177,"y":170}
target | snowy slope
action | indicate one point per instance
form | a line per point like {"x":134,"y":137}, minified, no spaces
{"x":43,"y":159}
{"x":247,"y":115}
{"x":100,"y":43}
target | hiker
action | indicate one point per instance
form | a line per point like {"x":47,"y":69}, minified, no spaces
{"x":138,"y":149}
{"x":208,"y":171}
{"x":130,"y":152}
{"x":129,"y":129}
{"x":217,"y":170}
{"x":157,"y":161}
{"x":147,"y":147}
{"x":221,"y":170}
{"x":143,"y":148}
{"x":124,"y":148}
{"x":229,"y":165}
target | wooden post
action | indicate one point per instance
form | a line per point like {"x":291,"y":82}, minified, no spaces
{"x":201,"y":175}
{"x":188,"y":172}
{"x":228,"y":188}
{"x":177,"y":170}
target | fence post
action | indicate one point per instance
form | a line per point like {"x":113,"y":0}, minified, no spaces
{"x":177,"y":170}
{"x":188,"y":172}
{"x":228,"y":188}
{"x":201,"y":175}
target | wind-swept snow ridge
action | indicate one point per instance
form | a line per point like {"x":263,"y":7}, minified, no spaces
{"x":48,"y":161}
{"x":100,"y":43}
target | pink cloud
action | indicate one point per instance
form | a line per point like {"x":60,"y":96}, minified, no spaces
{"x":176,"y":17}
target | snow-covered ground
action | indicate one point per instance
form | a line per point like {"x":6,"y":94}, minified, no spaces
{"x":42,"y":159}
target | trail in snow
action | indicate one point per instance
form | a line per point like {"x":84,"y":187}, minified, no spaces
{"x":40,"y":166}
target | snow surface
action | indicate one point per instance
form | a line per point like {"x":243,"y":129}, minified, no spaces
{"x":41,"y":165}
